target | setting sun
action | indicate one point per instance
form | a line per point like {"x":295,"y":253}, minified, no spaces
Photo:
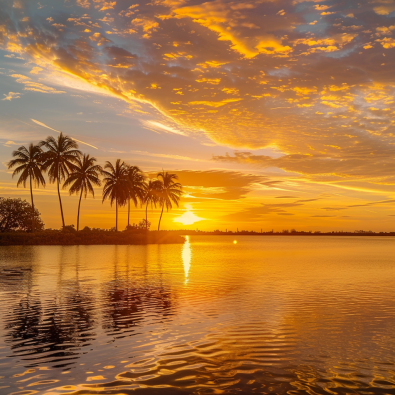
{"x":188,"y":218}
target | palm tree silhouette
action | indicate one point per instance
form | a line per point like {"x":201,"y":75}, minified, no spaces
{"x":85,"y":174}
{"x":59,"y":159}
{"x":116,"y":185}
{"x":170,"y":191}
{"x":151,"y":196}
{"x":136,"y":186}
{"x":29,"y":162}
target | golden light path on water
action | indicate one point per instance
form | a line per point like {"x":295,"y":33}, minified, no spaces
{"x":281,"y":315}
{"x":186,"y":257}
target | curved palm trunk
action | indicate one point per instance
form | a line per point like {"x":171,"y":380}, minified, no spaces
{"x":128,"y":211}
{"x":31,"y":195}
{"x":146,"y":217}
{"x":60,"y":202}
{"x":78,"y":215}
{"x":161,"y":215}
{"x":116,"y":215}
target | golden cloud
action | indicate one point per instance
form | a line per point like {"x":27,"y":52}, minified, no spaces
{"x":238,"y":72}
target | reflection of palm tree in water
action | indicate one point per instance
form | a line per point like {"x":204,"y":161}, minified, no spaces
{"x":121,"y":303}
{"x":54,"y":332}
{"x":24,"y":326}
{"x":23,"y":322}
{"x":127,"y":303}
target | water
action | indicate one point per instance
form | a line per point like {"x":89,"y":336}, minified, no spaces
{"x":278,"y":315}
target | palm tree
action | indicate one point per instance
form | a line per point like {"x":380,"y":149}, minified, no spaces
{"x":29,"y":162}
{"x":59,"y":159}
{"x":136,"y":186}
{"x":151,"y":196}
{"x":170,"y":191}
{"x":116,"y":185}
{"x":85,"y":174}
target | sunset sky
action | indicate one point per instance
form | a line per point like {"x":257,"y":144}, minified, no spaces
{"x":275,"y":114}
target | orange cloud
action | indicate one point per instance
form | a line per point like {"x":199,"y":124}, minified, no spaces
{"x":223,"y":19}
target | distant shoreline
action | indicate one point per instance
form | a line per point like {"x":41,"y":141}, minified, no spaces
{"x":88,"y":238}
{"x":338,"y":234}
{"x":55,"y":237}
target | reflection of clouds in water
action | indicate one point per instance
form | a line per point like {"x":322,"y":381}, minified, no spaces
{"x":186,"y":257}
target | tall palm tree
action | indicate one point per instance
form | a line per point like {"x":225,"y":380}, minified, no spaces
{"x":85,"y":174}
{"x":59,"y":160}
{"x":29,"y":162}
{"x":170,"y":192}
{"x":136,"y":186}
{"x":151,"y":196}
{"x":116,"y":185}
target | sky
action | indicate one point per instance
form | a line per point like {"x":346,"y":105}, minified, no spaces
{"x":275,"y":114}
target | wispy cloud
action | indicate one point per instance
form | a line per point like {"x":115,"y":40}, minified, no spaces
{"x":10,"y":143}
{"x":57,"y":131}
{"x":34,"y":86}
{"x":11,"y":95}
{"x":168,"y":156}
{"x":165,"y":128}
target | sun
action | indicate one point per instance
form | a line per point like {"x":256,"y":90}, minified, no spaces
{"x":188,"y":218}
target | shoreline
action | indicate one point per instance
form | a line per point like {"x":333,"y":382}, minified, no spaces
{"x":293,"y":234}
{"x":48,"y":238}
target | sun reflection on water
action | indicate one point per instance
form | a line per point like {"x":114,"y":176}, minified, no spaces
{"x":186,"y":257}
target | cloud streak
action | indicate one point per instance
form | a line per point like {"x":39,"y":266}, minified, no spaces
{"x":57,"y":131}
{"x":11,"y":96}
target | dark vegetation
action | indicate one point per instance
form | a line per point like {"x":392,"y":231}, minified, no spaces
{"x":87,"y":236}
{"x":16,"y":215}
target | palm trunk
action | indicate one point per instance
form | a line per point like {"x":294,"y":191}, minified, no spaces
{"x":128,"y":211}
{"x":116,"y":215}
{"x":161,"y":215}
{"x":146,"y":217}
{"x":60,"y":202}
{"x":31,"y":195}
{"x":78,"y":215}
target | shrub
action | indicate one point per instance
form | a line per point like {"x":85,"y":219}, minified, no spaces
{"x":16,"y":214}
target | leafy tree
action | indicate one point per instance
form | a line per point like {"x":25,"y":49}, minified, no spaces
{"x":29,"y":162}
{"x":141,"y":226}
{"x":144,"y":224}
{"x":170,"y":192}
{"x":151,"y":196}
{"x":116,"y":185}
{"x":16,"y":215}
{"x":136,"y":186}
{"x":85,"y":174}
{"x":59,"y":160}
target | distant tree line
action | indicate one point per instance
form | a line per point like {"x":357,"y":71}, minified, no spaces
{"x":68,"y":167}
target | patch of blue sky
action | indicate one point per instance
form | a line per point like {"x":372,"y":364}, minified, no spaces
{"x":319,"y":27}
{"x":282,"y":72}
{"x":342,"y":53}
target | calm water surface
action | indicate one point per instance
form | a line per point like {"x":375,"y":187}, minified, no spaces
{"x":278,"y":315}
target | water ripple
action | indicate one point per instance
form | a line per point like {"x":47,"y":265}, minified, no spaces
{"x":278,"y":316}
